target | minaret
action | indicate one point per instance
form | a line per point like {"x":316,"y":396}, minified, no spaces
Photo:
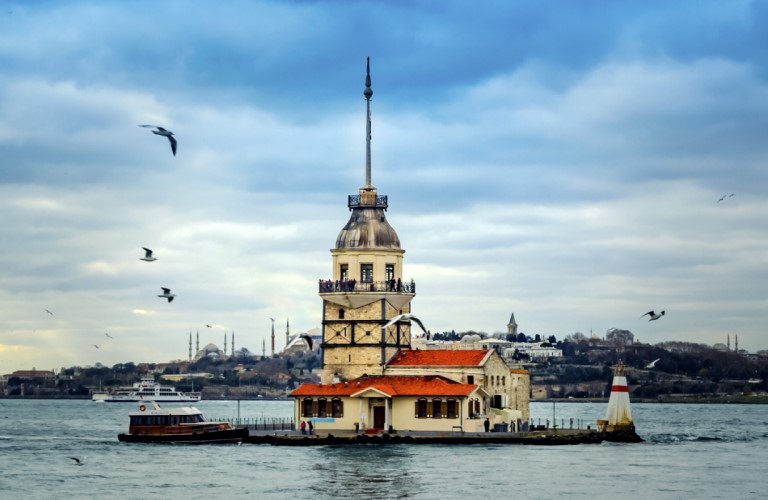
{"x":729,"y":342}
{"x":737,"y":343}
{"x":263,"y":348}
{"x":233,"y":342}
{"x":366,"y":288}
{"x":273,"y":336}
{"x":197,"y":341}
{"x":190,"y":345}
{"x":287,"y":332}
{"x":225,"y":343}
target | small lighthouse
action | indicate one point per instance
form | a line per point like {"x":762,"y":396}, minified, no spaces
{"x":618,"y":424}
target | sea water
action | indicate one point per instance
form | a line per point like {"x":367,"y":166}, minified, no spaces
{"x":691,"y":452}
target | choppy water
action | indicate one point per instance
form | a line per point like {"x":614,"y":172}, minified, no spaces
{"x":691,"y":452}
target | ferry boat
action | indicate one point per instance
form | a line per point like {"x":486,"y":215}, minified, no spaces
{"x":152,"y":424}
{"x":146,"y":390}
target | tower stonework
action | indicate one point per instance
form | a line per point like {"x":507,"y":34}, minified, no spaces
{"x":367,"y":287}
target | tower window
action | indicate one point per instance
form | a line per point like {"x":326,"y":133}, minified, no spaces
{"x":343,"y":272}
{"x":366,"y":273}
{"x":389,"y":272}
{"x":341,"y":313}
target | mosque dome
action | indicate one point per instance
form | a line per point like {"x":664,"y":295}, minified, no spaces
{"x":368,"y":228}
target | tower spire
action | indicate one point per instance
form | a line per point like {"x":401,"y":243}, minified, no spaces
{"x":368,"y":93}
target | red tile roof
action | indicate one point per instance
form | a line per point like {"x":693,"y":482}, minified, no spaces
{"x":393,"y":385}
{"x":440,"y":357}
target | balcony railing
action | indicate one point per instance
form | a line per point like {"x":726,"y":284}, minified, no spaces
{"x":354,"y":201}
{"x":344,"y":286}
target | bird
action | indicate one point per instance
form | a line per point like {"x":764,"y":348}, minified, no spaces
{"x":167,"y":294}
{"x":308,"y":339}
{"x":405,"y":317}
{"x":78,"y":461}
{"x":147,"y":255}
{"x":97,"y":346}
{"x":653,"y":315}
{"x":725,"y":196}
{"x":49,"y":312}
{"x":108,"y":335}
{"x":164,"y":133}
{"x":652,"y":364}
{"x":208,"y":326}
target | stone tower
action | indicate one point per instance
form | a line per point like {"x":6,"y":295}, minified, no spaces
{"x":367,"y":287}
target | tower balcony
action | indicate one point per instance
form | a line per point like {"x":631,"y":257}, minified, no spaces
{"x":357,"y":201}
{"x":353,"y":286}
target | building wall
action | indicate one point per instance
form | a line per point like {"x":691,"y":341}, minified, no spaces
{"x":345,"y":361}
{"x":353,"y":257}
{"x":402,"y":415}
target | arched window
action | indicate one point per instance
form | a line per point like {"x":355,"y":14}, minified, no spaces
{"x":322,"y":407}
{"x":437,"y":408}
{"x":450,"y":409}
{"x":307,"y":408}
{"x":421,"y":408}
{"x":337,"y":408}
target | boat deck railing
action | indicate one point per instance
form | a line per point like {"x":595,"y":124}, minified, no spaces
{"x":260,"y":423}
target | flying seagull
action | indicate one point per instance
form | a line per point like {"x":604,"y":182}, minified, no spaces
{"x":725,"y":196}
{"x":652,"y":364}
{"x":308,"y":339}
{"x":78,"y":461}
{"x":405,"y":317}
{"x":167,"y":294}
{"x":108,"y":335}
{"x":653,"y":315}
{"x":164,"y":133}
{"x":49,"y":312}
{"x":147,"y":255}
{"x":96,"y":346}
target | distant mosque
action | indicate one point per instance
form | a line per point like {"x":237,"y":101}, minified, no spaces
{"x":372,"y":379}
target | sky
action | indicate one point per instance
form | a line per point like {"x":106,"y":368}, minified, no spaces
{"x":562,"y":161}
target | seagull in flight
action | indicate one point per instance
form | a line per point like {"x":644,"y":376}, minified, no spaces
{"x":653,"y":315}
{"x":652,"y":364}
{"x":147,"y":255}
{"x":108,"y":335}
{"x":97,"y":346}
{"x":164,"y":133}
{"x":308,"y":340}
{"x":405,"y":317}
{"x":78,"y":461}
{"x":725,"y":196}
{"x":49,"y":312}
{"x":167,"y":294}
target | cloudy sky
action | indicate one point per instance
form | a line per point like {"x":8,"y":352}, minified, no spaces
{"x":559,"y":160}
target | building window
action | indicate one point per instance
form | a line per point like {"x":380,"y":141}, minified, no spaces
{"x":503,"y":380}
{"x":307,"y":408}
{"x":366,"y":273}
{"x":341,"y":313}
{"x":470,"y":379}
{"x":322,"y":408}
{"x":389,"y":272}
{"x":337,"y":408}
{"x":450,"y":408}
{"x":421,"y":408}
{"x":344,"y":272}
{"x":437,"y":408}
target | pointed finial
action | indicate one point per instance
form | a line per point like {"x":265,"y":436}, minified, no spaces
{"x":368,"y":92}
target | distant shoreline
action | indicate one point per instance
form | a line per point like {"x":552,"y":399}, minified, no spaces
{"x":674,"y":399}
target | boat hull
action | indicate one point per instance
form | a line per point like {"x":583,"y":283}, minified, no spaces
{"x":208,"y":437}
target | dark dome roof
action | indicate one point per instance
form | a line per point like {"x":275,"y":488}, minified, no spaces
{"x":368,"y":228}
